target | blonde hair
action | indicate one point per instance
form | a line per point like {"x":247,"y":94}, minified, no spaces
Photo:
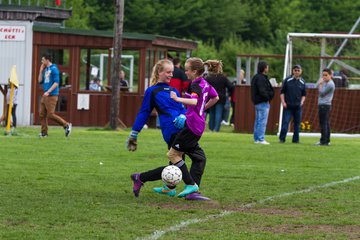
{"x":214,"y":66}
{"x":158,"y":67}
{"x":196,"y":64}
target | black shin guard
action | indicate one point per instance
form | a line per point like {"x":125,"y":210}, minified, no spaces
{"x":185,"y":172}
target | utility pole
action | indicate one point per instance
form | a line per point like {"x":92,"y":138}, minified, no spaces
{"x":116,"y":65}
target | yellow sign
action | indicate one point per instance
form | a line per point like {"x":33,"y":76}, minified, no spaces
{"x":13,"y":76}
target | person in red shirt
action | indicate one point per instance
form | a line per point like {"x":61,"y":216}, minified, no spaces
{"x":179,"y":79}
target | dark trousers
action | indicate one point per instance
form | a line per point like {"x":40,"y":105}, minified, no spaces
{"x":197,"y":168}
{"x":289,"y":112}
{"x":324,"y":120}
{"x":13,"y":114}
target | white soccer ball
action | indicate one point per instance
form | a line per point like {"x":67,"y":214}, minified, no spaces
{"x":171,"y":175}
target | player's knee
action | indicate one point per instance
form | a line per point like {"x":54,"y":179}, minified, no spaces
{"x":174,"y":156}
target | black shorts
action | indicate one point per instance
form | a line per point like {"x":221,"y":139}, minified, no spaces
{"x":185,"y":141}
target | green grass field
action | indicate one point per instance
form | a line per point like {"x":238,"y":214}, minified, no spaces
{"x":79,"y":188}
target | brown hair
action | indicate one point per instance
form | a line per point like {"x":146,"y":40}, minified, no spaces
{"x":214,"y":66}
{"x":196,"y":64}
{"x":158,"y":67}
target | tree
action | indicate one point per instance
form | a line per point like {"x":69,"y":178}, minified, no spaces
{"x":115,"y":78}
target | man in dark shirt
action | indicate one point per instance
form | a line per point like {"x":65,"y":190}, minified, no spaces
{"x":261,"y":95}
{"x":292,"y":98}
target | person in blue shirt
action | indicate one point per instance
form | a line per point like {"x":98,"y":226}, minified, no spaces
{"x":49,"y":77}
{"x":293,"y":94}
{"x":172,"y":119}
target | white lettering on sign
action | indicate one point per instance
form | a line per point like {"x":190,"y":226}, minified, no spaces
{"x":12,"y":33}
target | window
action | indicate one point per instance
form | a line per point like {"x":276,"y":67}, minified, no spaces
{"x":60,"y":57}
{"x":94,"y":69}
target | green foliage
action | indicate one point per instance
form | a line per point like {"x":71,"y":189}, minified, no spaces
{"x":224,"y":28}
{"x":79,"y":188}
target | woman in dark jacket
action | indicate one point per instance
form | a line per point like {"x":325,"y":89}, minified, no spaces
{"x":220,"y":82}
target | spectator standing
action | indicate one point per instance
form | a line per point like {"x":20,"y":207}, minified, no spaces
{"x":49,"y":77}
{"x":14,"y":105}
{"x":326,"y":87}
{"x":292,"y":97}
{"x":261,"y":94}
{"x":179,"y":80}
{"x":221,"y":83}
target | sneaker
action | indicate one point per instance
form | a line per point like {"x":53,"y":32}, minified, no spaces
{"x":256,"y":142}
{"x":281,"y":141}
{"x":68,"y":129}
{"x":263,"y":142}
{"x":189,"y":189}
{"x":322,"y":144}
{"x":43,"y":135}
{"x":137,"y":183}
{"x":196,"y":196}
{"x":165,"y":190}
{"x":225,"y":123}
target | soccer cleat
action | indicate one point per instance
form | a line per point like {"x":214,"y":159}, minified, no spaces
{"x":137,"y":183}
{"x":165,"y":190}
{"x":189,"y":189}
{"x":196,"y":196}
{"x":68,"y":129}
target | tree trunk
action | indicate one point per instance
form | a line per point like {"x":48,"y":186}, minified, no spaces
{"x":116,"y":64}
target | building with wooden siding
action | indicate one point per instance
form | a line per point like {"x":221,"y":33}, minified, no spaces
{"x":82,"y":56}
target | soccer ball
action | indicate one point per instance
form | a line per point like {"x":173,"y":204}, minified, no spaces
{"x":171,"y":175}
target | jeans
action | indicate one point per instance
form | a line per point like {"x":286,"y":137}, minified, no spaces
{"x":261,"y":117}
{"x":324,"y":119}
{"x":13,"y":114}
{"x":289,"y":112}
{"x":226,"y":111}
{"x":216,"y":117}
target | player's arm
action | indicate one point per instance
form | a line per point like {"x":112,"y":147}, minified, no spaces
{"x":47,"y":93}
{"x":40,"y":77}
{"x":186,"y":101}
{"x":140,"y":121}
{"x":211,"y":102}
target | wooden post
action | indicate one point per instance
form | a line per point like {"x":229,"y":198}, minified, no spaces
{"x":115,"y":74}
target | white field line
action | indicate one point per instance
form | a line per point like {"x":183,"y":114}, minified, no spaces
{"x":158,"y":233}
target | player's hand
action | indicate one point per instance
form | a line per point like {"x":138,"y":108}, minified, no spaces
{"x":173,"y":95}
{"x":179,"y":121}
{"x":132,"y":141}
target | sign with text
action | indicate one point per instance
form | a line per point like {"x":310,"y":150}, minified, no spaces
{"x":12,"y":33}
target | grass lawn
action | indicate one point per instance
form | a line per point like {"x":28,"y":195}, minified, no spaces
{"x":79,"y":188}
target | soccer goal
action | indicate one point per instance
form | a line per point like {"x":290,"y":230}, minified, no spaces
{"x":340,"y":52}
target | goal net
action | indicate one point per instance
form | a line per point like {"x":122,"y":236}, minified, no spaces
{"x":339,"y":52}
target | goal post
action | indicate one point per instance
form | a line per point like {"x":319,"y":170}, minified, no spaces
{"x":313,"y":51}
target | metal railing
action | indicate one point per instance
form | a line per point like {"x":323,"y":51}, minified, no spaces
{"x":33,"y":3}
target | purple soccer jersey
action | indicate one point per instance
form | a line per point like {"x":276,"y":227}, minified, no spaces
{"x":201,"y":90}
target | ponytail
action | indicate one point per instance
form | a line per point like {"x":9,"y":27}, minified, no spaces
{"x":158,"y":67}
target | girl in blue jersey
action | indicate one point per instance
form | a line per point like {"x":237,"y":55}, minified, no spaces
{"x":171,"y":115}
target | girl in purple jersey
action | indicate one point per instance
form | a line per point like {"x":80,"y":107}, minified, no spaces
{"x":199,"y":97}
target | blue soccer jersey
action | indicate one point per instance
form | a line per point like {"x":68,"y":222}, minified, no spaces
{"x":158,"y":97}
